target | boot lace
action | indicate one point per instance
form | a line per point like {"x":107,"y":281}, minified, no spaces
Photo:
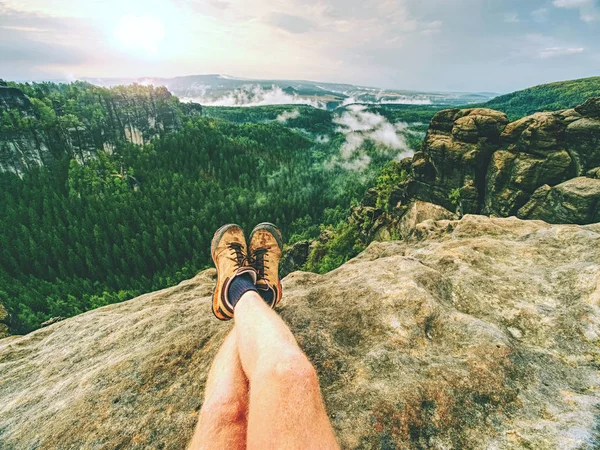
{"x":238,"y":256}
{"x":259,"y":259}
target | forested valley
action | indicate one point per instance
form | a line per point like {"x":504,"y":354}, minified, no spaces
{"x":77,"y":235}
{"x":98,"y":219}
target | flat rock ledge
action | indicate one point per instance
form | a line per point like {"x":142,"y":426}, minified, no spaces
{"x":478,"y":333}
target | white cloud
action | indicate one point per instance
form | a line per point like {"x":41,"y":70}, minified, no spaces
{"x":360,"y":126}
{"x":358,"y":164}
{"x":588,"y":11}
{"x":570,"y":3}
{"x":252,"y":95}
{"x":286,"y":115}
{"x":140,"y":33}
{"x":552,"y":52}
{"x":543,"y":47}
{"x":511,"y":17}
{"x":395,"y":100}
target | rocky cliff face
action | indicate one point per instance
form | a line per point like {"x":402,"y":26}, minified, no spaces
{"x":488,"y":165}
{"x":473,"y":333}
{"x":136,"y":116}
{"x":12,"y":98}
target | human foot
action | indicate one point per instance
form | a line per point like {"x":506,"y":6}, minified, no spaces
{"x":265,"y":248}
{"x":230,"y":255}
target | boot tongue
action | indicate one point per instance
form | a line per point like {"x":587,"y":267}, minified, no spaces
{"x":249,"y":270}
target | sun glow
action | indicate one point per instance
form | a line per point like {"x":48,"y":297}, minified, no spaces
{"x":140,"y":34}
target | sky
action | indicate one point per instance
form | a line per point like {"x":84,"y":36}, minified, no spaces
{"x":433,"y":45}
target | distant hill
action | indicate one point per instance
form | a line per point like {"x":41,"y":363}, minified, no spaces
{"x":546,"y":97}
{"x":225,"y":90}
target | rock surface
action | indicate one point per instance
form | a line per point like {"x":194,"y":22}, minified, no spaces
{"x":494,"y":167}
{"x":574,"y":201}
{"x":478,"y":333}
{"x":456,"y":154}
{"x":294,"y":257}
{"x":13,"y":98}
{"x":533,"y":153}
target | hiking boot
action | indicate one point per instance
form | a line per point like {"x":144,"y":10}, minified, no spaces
{"x":265,"y":248}
{"x":230,"y":255}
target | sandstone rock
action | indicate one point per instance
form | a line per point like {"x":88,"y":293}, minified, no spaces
{"x":591,"y":108}
{"x":494,"y":167}
{"x":405,"y":164}
{"x":294,"y":257}
{"x":478,"y":333}
{"x":574,"y":201}
{"x":14,"y":98}
{"x":583,"y":142}
{"x":594,"y":173}
{"x":414,"y":214}
{"x":52,"y":321}
{"x":370,"y":198}
{"x":367,"y":220}
{"x":20,"y":152}
{"x":455,"y":155}
{"x":533,"y":153}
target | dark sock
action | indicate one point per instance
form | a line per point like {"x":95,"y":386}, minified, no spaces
{"x":267,"y":295}
{"x":238,"y":287}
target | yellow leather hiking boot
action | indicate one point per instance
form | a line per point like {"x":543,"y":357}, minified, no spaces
{"x":265,"y":248}
{"x":230,"y":255}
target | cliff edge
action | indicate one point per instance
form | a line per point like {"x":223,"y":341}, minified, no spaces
{"x":472,"y":333}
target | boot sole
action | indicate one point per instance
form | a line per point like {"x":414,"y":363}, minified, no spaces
{"x":216,"y":309}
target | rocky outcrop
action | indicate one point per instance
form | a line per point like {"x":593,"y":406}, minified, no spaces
{"x":402,"y":226}
{"x":136,"y":115}
{"x":474,"y":161}
{"x":594,"y":173}
{"x":455,"y":156}
{"x":574,"y":201}
{"x":294,"y":257}
{"x":478,"y":333}
{"x":12,"y":98}
{"x":533,"y":153}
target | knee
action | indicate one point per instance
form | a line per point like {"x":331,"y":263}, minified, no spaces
{"x":225,"y":410}
{"x":294,"y":370}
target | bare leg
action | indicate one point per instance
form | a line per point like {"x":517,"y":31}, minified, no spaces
{"x":286,"y":407}
{"x":223,"y":418}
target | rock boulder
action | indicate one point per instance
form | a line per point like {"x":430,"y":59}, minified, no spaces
{"x":474,"y":161}
{"x":574,"y":201}
{"x":533,"y":153}
{"x":478,"y":333}
{"x":455,"y":156}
